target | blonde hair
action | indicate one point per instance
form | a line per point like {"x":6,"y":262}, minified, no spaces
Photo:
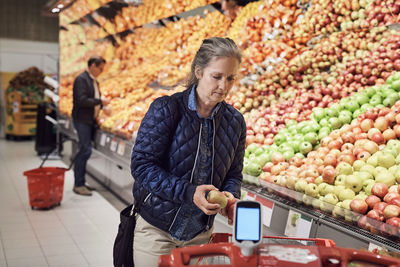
{"x":209,"y":49}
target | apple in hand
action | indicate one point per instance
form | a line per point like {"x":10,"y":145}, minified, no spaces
{"x":217,"y":197}
{"x":231,"y":208}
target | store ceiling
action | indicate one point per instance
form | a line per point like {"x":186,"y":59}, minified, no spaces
{"x":53,"y":7}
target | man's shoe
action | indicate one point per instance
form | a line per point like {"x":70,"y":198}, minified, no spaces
{"x":91,"y":188}
{"x":82,"y":190}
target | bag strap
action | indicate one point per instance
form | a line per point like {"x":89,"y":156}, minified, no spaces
{"x":136,"y":208}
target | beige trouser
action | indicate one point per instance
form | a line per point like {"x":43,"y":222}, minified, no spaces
{"x":151,"y":242}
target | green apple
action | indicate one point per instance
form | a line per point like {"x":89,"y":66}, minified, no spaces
{"x":390,"y":100}
{"x":288,"y":154}
{"x":307,"y":200}
{"x":311,"y":190}
{"x":328,"y":202}
{"x":344,"y":168}
{"x":394,"y":169}
{"x":365,"y":176}
{"x":366,"y":107}
{"x":375,"y":100}
{"x":316,"y":203}
{"x":346,"y":204}
{"x":306,"y":129}
{"x":311,"y":137}
{"x":338,"y":189}
{"x":370,"y":91}
{"x":253,"y":169}
{"x":358,"y":164}
{"x":362,"y":99}
{"x":319,"y":113}
{"x":340,"y":179}
{"x":319,"y":180}
{"x":331,"y":112}
{"x":345,"y":119}
{"x":279,"y":139}
{"x":391,"y":150}
{"x":324,"y":122}
{"x":357,"y":113}
{"x":346,"y":193}
{"x":252,"y":147}
{"x":338,"y":210}
{"x":300,"y":185}
{"x":373,"y":160}
{"x":352,"y":106}
{"x":321,"y":188}
{"x":368,"y":168}
{"x":353,"y":182}
{"x":385,"y":177}
{"x":299,"y":155}
{"x":305,"y":147}
{"x":398,"y":160}
{"x":335,"y":123}
{"x":291,"y":182}
{"x":361,"y":195}
{"x":394,"y":143}
{"x":322,"y":134}
{"x":386,"y":160}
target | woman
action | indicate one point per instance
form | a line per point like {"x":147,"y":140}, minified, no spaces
{"x":188,"y":144}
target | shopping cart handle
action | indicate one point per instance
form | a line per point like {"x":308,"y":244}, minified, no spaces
{"x":181,"y":257}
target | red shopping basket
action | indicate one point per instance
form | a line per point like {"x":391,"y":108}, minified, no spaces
{"x":45,"y":186}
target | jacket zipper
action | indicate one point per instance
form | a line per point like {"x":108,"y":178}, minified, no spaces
{"x":212,"y":168}
{"x":191,"y":176}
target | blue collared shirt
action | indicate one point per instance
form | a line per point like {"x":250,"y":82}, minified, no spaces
{"x":189,"y":218}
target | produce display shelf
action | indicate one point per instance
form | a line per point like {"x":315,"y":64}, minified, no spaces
{"x":321,"y":218}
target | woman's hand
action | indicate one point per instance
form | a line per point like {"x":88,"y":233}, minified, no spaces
{"x":199,"y":199}
{"x":224,"y":212}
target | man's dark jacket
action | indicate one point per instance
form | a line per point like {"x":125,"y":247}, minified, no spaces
{"x":165,"y":151}
{"x":84,"y":101}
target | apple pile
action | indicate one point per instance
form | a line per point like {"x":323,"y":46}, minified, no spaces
{"x":381,"y":12}
{"x":355,"y":171}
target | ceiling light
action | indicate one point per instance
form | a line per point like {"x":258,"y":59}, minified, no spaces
{"x":60,"y":6}
{"x":55,"y":10}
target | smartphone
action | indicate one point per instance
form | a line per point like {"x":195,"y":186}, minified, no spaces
{"x":247,"y":222}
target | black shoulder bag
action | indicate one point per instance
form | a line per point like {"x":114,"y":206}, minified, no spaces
{"x":123,"y":244}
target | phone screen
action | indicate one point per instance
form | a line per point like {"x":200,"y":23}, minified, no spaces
{"x":248,"y":224}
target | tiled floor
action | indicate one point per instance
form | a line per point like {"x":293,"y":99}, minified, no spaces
{"x":80,"y":232}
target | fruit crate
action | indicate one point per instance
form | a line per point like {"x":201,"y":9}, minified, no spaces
{"x":20,"y":116}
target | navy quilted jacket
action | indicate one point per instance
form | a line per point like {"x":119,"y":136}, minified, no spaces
{"x":164,"y":155}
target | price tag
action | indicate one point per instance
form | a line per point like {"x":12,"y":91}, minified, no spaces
{"x":114,"y":144}
{"x":15,"y":107}
{"x":372,"y":247}
{"x":121,"y":148}
{"x":298,"y":225}
{"x":267,"y":209}
{"x":103,"y":139}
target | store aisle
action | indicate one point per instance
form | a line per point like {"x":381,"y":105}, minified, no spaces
{"x":80,"y":232}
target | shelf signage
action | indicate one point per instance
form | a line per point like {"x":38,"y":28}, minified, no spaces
{"x":121,"y":148}
{"x":267,"y":209}
{"x":103,"y":139}
{"x":298,"y":225}
{"x":114,"y":144}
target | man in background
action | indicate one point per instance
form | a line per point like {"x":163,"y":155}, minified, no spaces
{"x":87,"y":102}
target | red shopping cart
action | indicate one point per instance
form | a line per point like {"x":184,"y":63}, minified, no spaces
{"x":274,"y":251}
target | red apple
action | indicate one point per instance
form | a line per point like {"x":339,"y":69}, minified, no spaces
{"x":378,"y":138}
{"x":380,"y":206}
{"x":328,"y":174}
{"x":366,"y":124}
{"x":376,"y":215}
{"x":391,"y":211}
{"x":389,"y":196}
{"x":380,"y":189}
{"x":389,"y":134}
{"x":395,"y":221}
{"x":359,"y":205}
{"x":395,"y":201}
{"x":372,"y":200}
{"x":381,"y":124}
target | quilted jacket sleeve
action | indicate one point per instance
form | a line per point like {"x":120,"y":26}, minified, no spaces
{"x":234,"y":176}
{"x":152,"y":143}
{"x":81,"y":93}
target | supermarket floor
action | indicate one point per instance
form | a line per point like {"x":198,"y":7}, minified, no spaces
{"x":79,"y":232}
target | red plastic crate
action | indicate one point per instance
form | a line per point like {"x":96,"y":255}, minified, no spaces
{"x":45,"y":186}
